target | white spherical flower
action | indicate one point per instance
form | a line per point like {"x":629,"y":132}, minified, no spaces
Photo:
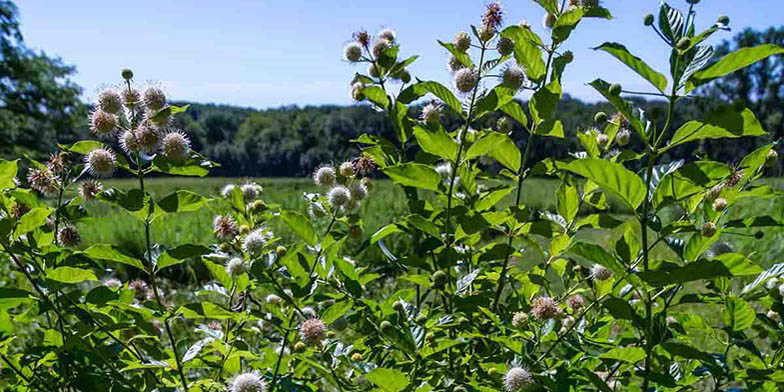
{"x":313,"y":330}
{"x":346,"y":169}
{"x":100,"y":162}
{"x":431,"y":113}
{"x":154,"y":98}
{"x":251,"y":190}
{"x":103,"y":123}
{"x":387,"y":34}
{"x":42,"y":180}
{"x":90,"y":189}
{"x":248,"y":382}
{"x":357,"y":192}
{"x":453,"y":64}
{"x":622,"y":137}
{"x":227,"y":190}
{"x":128,"y":142}
{"x":68,"y":236}
{"x":148,"y":139}
{"x":462,"y":41}
{"x":380,"y":46}
{"x":602,"y":139}
{"x":255,"y":241}
{"x":131,"y":98}
{"x":444,"y":170}
{"x":175,"y":146}
{"x":519,"y":319}
{"x":324,"y":176}
{"x":513,"y":77}
{"x":273,"y":299}
{"x":465,"y":80}
{"x":338,"y":196}
{"x":109,"y":101}
{"x":517,"y":379}
{"x":600,"y":273}
{"x":353,"y":52}
{"x":235,"y":266}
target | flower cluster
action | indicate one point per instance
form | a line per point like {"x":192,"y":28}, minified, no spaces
{"x":346,"y":186}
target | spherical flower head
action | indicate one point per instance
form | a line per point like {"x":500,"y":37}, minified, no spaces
{"x":773,"y":315}
{"x":602,"y":139}
{"x":154,"y":98}
{"x":576,"y":302}
{"x":127,"y":74}
{"x":444,"y":170}
{"x":719,"y":204}
{"x":600,"y":273}
{"x":367,"y":183}
{"x":771,"y":158}
{"x":68,"y":236}
{"x":519,"y":319}
{"x":486,"y":33}
{"x":708,"y":229}
{"x":356,"y":92}
{"x":622,"y":137}
{"x":112,"y":283}
{"x":100,"y":162}
{"x":513,"y":77}
{"x":346,"y":169}
{"x":103,"y":123}
{"x":175,"y":146}
{"x":148,"y":139}
{"x":465,"y":80}
{"x":225,"y":227}
{"x":90,"y":189}
{"x":431,"y":113}
{"x":313,"y":330}
{"x":131,"y":97}
{"x":380,"y":46}
{"x":109,"y":101}
{"x":235,"y":267}
{"x":714,"y":192}
{"x":273,"y":299}
{"x":364,"y":164}
{"x":227,"y":190}
{"x":139,"y":287}
{"x":338,"y":196}
{"x":324,"y":176}
{"x":462,"y":41}
{"x":363,"y":37}
{"x":493,"y":16}
{"x":42,"y":180}
{"x":255,"y":241}
{"x":248,"y":382}
{"x":57,"y":163}
{"x":251,"y":190}
{"x":504,"y":124}
{"x":505,"y":46}
{"x":518,"y":379}
{"x":387,"y":34}
{"x":357,"y":191}
{"x":453,"y":64}
{"x":128,"y":142}
{"x":545,"y":308}
{"x":734,"y":178}
{"x":648,"y":20}
{"x":549,"y":19}
{"x":353,"y":52}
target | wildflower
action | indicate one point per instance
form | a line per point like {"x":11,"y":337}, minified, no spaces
{"x":505,"y":46}
{"x":518,"y":379}
{"x":444,"y":170}
{"x":600,"y":273}
{"x":621,"y":120}
{"x":324,"y":176}
{"x":313,"y":330}
{"x":493,"y":15}
{"x":519,"y":319}
{"x":42,"y":180}
{"x":248,"y":382}
{"x":357,"y":192}
{"x":225,"y":227}
{"x":103,"y":123}
{"x":462,"y":41}
{"x":100,"y":162}
{"x":602,"y":139}
{"x":387,"y":34}
{"x":273,"y":299}
{"x":227,"y":190}
{"x":131,"y":98}
{"x":139,"y":287}
{"x":364,"y":164}
{"x":708,"y":229}
{"x":513,"y":77}
{"x":431,"y":113}
{"x":714,"y":193}
{"x":57,"y":163}
{"x":576,"y":302}
{"x":734,"y":178}
{"x":112,"y":283}
{"x":175,"y":146}
{"x":504,"y":125}
{"x":465,"y":80}
{"x":453,"y":64}
{"x":622,"y":137}
{"x":380,"y":46}
{"x":545,"y":308}
{"x":128,"y":142}
{"x":127,"y":74}
{"x":356,"y":92}
{"x":154,"y":98}
{"x":338,"y":196}
{"x":548,"y":21}
{"x":771,"y":158}
{"x":251,"y":190}
{"x":486,"y":33}
{"x":719,"y":204}
{"x":235,"y":266}
{"x":109,"y":101}
{"x":148,"y":139}
{"x":773,"y":315}
{"x":255,"y":241}
{"x":353,"y":52}
{"x":68,"y":236}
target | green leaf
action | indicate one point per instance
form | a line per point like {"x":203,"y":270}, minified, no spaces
{"x":70,"y":275}
{"x":336,"y":311}
{"x":544,"y":102}
{"x":300,"y":225}
{"x":414,"y":174}
{"x":112,"y":253}
{"x":8,"y":170}
{"x":612,"y":177}
{"x":218,"y":272}
{"x":494,"y":100}
{"x":593,"y":253}
{"x":168,"y":111}
{"x":388,"y":380}
{"x":725,"y":122}
{"x":621,"y":105}
{"x":734,"y":61}
{"x":499,"y":146}
{"x":620,"y":309}
{"x":635,"y":63}
{"x":514,"y":110}
{"x":565,"y":23}
{"x":527,"y":51}
{"x":491,"y":199}
{"x":464,"y":58}
{"x":567,"y":201}
{"x":550,"y":6}
{"x":32,"y":220}
{"x":179,"y":254}
{"x":377,"y":95}
{"x":738,"y":314}
{"x":436,"y":142}
{"x":418,"y":90}
{"x":11,"y":297}
{"x":193,"y":166}
{"x":182,"y":201}
{"x":626,"y":354}
{"x":83,"y":147}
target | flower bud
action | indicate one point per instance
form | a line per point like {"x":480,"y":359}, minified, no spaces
{"x":300,"y":347}
{"x":356,"y":357}
{"x":603,"y":140}
{"x":683,"y":43}
{"x":439,"y":279}
{"x":622,"y":137}
{"x":513,"y":77}
{"x":492,"y":372}
{"x":771,"y":158}
{"x":431,"y":113}
{"x":600,"y":117}
{"x":708,"y":229}
{"x":385,"y":326}
{"x":462,"y":41}
{"x":346,"y":169}
{"x":693,"y":1}
{"x":615,"y":89}
{"x":486,"y":33}
{"x":549,"y":20}
{"x":504,"y":124}
{"x":127,"y":74}
{"x":465,"y":80}
{"x":256,"y":206}
{"x":352,"y":52}
{"x":723,"y":20}
{"x":719,"y":204}
{"x":505,"y":46}
{"x":280,"y":250}
{"x":648,"y":20}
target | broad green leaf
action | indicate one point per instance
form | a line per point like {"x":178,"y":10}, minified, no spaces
{"x":193,"y":166}
{"x":179,"y":254}
{"x":565,"y":23}
{"x":612,"y":177}
{"x":182,"y":201}
{"x":734,"y":61}
{"x":726,"y":123}
{"x":567,"y":201}
{"x":83,"y":147}
{"x":738,"y":314}
{"x":219,"y":273}
{"x":492,"y":198}
{"x":388,"y":380}
{"x":32,"y":220}
{"x":514,"y":110}
{"x":70,"y":275}
{"x":300,"y":225}
{"x":8,"y":170}
{"x":626,"y":354}
{"x":377,"y":95}
{"x":550,"y":6}
{"x":527,"y":50}
{"x":418,"y":90}
{"x":11,"y":297}
{"x":595,"y":254}
{"x":112,"y":253}
{"x":544,"y":102}
{"x":385,"y":231}
{"x":414,"y":174}
{"x":669,"y":273}
{"x":622,"y":106}
{"x":464,"y":58}
{"x":336,"y":311}
{"x":499,"y":146}
{"x":494,"y":100}
{"x":436,"y":142}
{"x":635,"y":63}
{"x":671,"y":22}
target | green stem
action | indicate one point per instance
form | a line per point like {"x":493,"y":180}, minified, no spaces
{"x":280,"y":354}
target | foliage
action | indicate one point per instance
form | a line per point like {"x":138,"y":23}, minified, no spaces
{"x":487,"y":295}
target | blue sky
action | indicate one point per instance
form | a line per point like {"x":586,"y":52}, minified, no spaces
{"x":268,"y":53}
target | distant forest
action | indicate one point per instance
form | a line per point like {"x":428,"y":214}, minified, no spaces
{"x":40,"y":107}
